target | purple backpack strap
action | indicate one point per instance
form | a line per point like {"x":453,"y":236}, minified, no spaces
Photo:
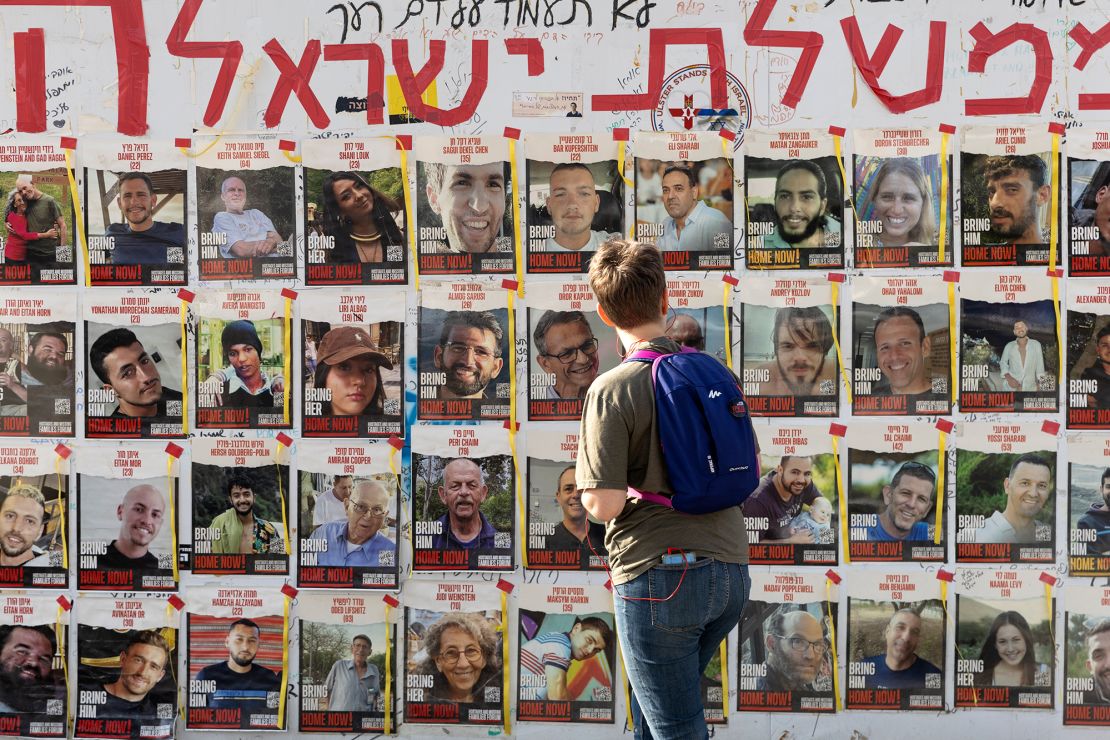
{"x":651,"y":498}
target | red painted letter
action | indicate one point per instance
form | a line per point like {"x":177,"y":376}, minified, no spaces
{"x":413,"y":85}
{"x":871,"y":67}
{"x":660,"y":39}
{"x":230,"y":51}
{"x":988,"y":44}
{"x":294,"y":79}
{"x":810,"y":42}
{"x":1090,"y":43}
{"x":375,"y":73}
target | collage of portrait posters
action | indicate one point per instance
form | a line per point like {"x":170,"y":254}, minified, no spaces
{"x":34,"y":479}
{"x":1088,"y":504}
{"x":566,"y":654}
{"x":34,"y":702}
{"x":1010,"y":348}
{"x":134,"y":382}
{"x":127,"y":680}
{"x":37,"y":375}
{"x":1006,"y":493}
{"x":787,"y":634}
{"x":793,"y":516}
{"x":786,"y":330}
{"x":455,"y":662}
{"x":240,"y":492}
{"x":353,"y":355}
{"x":901,"y":346}
{"x":136,"y":200}
{"x":463,"y":353}
{"x":236,"y":658}
{"x":1005,"y":646}
{"x":795,"y":200}
{"x":1088,"y":355}
{"x":1087,"y":656}
{"x":347,"y":515}
{"x":463,"y":493}
{"x":575,"y":200}
{"x":242,"y":371}
{"x":354,"y":212}
{"x":1088,"y":202}
{"x":345,"y":682}
{"x":569,"y":346}
{"x":1005,"y":193}
{"x":44,"y":210}
{"x":897,"y":175}
{"x":246,"y":209}
{"x":464,"y":205}
{"x":892,"y":476}
{"x":896,"y":627}
{"x":684,"y":198}
{"x":561,"y":534}
{"x":126,"y":517}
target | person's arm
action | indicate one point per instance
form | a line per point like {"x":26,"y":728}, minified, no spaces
{"x":29,"y":236}
{"x":1008,"y":365}
{"x":8,"y":382}
{"x":556,"y":683}
{"x":329,"y":687}
{"x":604,"y":504}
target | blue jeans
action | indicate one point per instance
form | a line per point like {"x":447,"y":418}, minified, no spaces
{"x":667,"y":644}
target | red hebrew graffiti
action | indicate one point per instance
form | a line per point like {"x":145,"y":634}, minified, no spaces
{"x":229,"y":51}
{"x":294,"y":79}
{"x":375,"y":74}
{"x":872,"y":67}
{"x":413,"y":85}
{"x":987,"y":44}
{"x":810,"y":42}
{"x":1090,"y":43}
{"x":660,"y":39}
{"x":30,"y":80}
{"x":530,"y":47}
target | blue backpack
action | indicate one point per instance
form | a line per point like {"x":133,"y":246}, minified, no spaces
{"x":708,"y":441}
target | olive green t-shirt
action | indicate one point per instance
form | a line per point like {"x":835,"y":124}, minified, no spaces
{"x":619,"y":447}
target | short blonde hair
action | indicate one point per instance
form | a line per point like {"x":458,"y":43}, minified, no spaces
{"x":628,"y":281}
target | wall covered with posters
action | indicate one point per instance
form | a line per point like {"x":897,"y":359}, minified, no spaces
{"x":294,"y":334}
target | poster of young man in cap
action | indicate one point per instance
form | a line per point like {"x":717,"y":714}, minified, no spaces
{"x":37,"y":375}
{"x":124,"y":512}
{"x":134,"y":376}
{"x":347,"y":515}
{"x":352,"y":366}
{"x":242,"y":371}
{"x":34,"y":481}
{"x":33,"y":637}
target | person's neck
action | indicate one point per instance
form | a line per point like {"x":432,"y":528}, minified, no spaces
{"x":245,"y":519}
{"x":573,"y":241}
{"x":919,"y":385}
{"x":130,"y":549}
{"x":1008,"y":675}
{"x":255,"y":382}
{"x":20,"y":559}
{"x":577,"y":527}
{"x":144,"y":226}
{"x":466,"y":529}
{"x":895,"y":666}
{"x":566,"y":389}
{"x":1016,"y":520}
{"x":445,"y":392}
{"x":1022,"y":341}
{"x":643,"y":333}
{"x":236,"y":668}
{"x":117,"y":690}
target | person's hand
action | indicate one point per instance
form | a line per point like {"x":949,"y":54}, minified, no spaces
{"x":5,"y":379}
{"x":1012,"y":382}
{"x":51,"y":234}
{"x":798,"y":537}
{"x":277,"y":385}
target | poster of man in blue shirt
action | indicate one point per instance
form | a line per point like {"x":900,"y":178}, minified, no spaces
{"x":357,"y":541}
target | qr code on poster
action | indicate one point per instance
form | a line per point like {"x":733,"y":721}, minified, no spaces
{"x":385,"y":557}
{"x":63,"y":253}
{"x":721,"y":240}
{"x":55,"y":558}
{"x":173,"y":408}
{"x":1046,"y":382}
{"x":61,"y":406}
{"x":54,"y":706}
{"x":827,"y":387}
{"x":175,"y":255}
{"x":933,"y":680}
{"x":392,"y":406}
{"x":165,"y":711}
{"x":714,"y":694}
{"x":394,"y":253}
{"x":502,"y":540}
{"x":603,"y":693}
{"x":940,"y":385}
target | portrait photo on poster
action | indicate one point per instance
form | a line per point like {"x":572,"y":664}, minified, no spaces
{"x":792,"y":515}
{"x":33,"y":695}
{"x":568,"y":349}
{"x":1089,"y":217}
{"x":463,"y":361}
{"x":785,"y":657}
{"x":895,"y":654}
{"x":1088,"y":505}
{"x":343,"y":676}
{"x":561,"y":534}
{"x":1007,"y":648}
{"x":1087,"y":660}
{"x":240,"y":371}
{"x":31,"y":530}
{"x":38,"y":379}
{"x":1088,"y":369}
{"x":38,"y":217}
{"x":892,"y":510}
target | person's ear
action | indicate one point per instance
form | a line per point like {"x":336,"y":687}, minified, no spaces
{"x":886,"y":495}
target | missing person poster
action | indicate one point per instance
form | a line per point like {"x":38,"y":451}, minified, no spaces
{"x":1005,"y":645}
{"x":576,"y":199}
{"x":795,"y":201}
{"x":1005,"y":493}
{"x":454,"y":671}
{"x":1010,"y":349}
{"x":1005,"y":193}
{"x":1088,"y":202}
{"x":896,"y":638}
{"x":463,"y":498}
{"x":354,"y":212}
{"x":786,"y":644}
{"x":134,"y":381}
{"x":1087,"y":656}
{"x":353,"y":350}
{"x":786,"y":330}
{"x":34,"y":479}
{"x":238,"y":517}
{"x":242,"y":371}
{"x":566,"y":654}
{"x":125,"y":516}
{"x":33,"y":696}
{"x":37,"y":375}
{"x":1088,"y":355}
{"x":345,"y":685}
{"x":127,"y":679}
{"x":235,"y":662}
{"x":897,"y":175}
{"x":246,"y":208}
{"x":136,"y":199}
{"x":348,"y":520}
{"x":464,"y":205}
{"x":1089,"y":505}
{"x":892,"y":475}
{"x":38,"y":246}
{"x":569,"y":346}
{"x":792,"y":516}
{"x":561,"y":534}
{"x":684,"y":198}
{"x":463,"y":353}
{"x":696,"y":317}
{"x":901,"y":346}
